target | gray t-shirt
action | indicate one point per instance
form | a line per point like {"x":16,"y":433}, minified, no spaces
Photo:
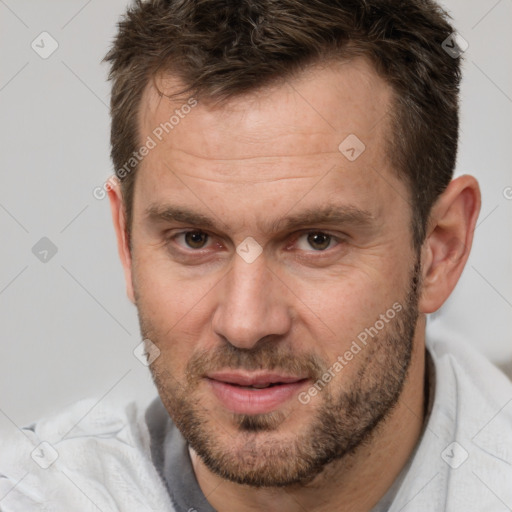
{"x":170,"y":455}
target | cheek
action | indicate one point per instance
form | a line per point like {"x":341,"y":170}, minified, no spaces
{"x":174,"y":312}
{"x":165,"y":290}
{"x":340,"y":307}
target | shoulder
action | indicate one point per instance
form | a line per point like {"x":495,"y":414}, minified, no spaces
{"x":92,"y":455}
{"x":478,"y":386}
{"x":466,"y":451}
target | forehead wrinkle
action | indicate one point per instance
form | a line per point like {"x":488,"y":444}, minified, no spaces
{"x":329,"y":149}
{"x":236,"y":175}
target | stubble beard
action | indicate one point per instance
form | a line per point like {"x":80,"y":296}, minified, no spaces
{"x":254,"y":450}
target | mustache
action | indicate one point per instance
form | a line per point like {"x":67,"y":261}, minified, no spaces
{"x":267,"y":356}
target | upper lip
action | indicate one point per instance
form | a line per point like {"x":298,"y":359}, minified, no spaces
{"x":253,"y":378}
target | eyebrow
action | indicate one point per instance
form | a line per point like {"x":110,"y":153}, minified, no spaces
{"x":327,"y":214}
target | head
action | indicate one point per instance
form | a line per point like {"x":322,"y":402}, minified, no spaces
{"x":285,"y":216}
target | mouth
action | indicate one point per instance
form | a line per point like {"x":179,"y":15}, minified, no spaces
{"x":254,"y":392}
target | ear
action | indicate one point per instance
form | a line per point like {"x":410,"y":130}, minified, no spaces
{"x":119,"y":220}
{"x":448,"y":242}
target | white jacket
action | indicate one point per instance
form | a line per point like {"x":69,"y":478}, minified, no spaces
{"x":463,"y":462}
{"x":103,"y":464}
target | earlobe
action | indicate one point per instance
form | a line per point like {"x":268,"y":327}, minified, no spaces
{"x":123,"y":246}
{"x":448,"y":242}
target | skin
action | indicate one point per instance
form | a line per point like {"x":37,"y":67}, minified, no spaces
{"x":245,"y":164}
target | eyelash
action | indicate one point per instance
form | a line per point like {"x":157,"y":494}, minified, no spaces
{"x":336,"y":239}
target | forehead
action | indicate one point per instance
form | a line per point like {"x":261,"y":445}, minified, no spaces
{"x":263,"y":151}
{"x":314,"y":109}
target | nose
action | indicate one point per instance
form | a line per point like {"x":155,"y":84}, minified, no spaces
{"x":252,"y":304}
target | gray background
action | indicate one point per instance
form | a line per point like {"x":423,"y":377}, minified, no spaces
{"x":67,"y":328}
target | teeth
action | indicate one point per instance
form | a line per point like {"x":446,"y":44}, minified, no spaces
{"x":257,"y":386}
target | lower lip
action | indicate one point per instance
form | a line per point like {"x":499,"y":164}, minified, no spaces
{"x":254,"y":401}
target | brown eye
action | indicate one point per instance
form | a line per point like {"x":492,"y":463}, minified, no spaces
{"x":319,"y":241}
{"x":196,"y":239}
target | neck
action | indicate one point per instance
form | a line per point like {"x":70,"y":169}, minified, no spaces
{"x":354,"y":484}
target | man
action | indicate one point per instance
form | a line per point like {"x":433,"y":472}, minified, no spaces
{"x":286,"y":218}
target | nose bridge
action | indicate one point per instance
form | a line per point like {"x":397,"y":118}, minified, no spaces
{"x":251,"y":305}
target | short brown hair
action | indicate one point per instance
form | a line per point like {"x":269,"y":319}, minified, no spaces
{"x":223,"y":48}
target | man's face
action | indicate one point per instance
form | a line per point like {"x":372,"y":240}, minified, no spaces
{"x":265,"y":261}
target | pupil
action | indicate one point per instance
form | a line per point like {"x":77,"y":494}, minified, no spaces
{"x":195,"y":239}
{"x":319,"y":240}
